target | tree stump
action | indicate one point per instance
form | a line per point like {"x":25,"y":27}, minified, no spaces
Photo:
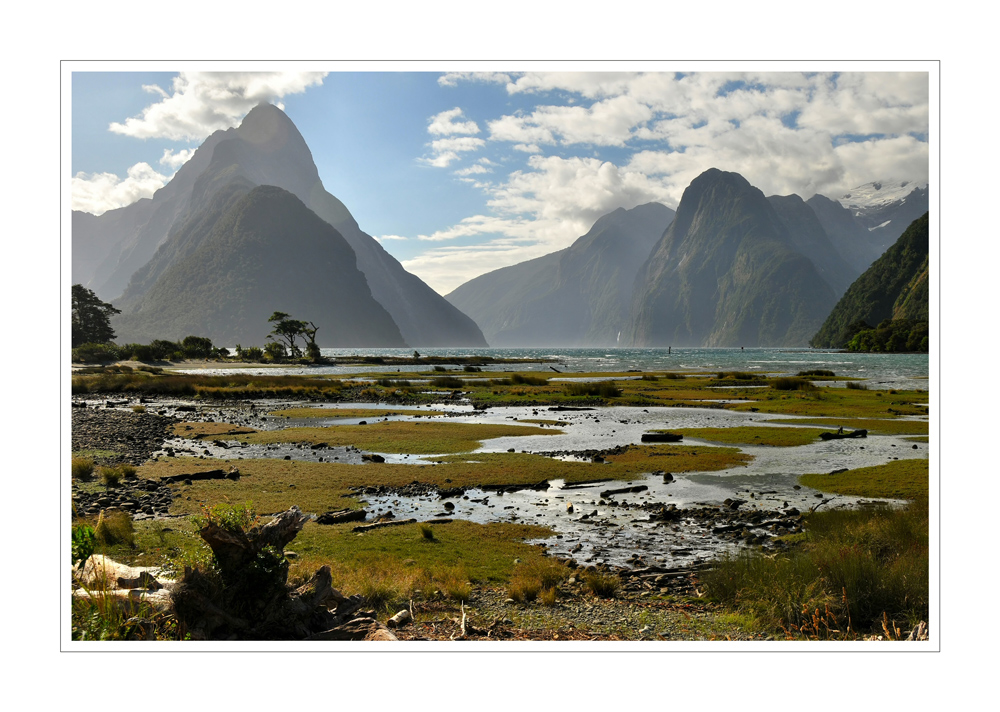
{"x":247,"y":596}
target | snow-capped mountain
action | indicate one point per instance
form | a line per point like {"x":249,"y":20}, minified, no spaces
{"x":878,"y":194}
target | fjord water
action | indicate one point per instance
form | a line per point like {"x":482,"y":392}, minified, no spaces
{"x":880,"y":370}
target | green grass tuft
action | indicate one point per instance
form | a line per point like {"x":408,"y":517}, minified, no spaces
{"x":82,"y":468}
{"x":792,"y":383}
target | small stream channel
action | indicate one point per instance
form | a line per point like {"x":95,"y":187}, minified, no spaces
{"x":590,"y":528}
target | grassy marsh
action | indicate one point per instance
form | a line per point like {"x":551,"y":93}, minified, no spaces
{"x":899,"y":479}
{"x":404,"y":437}
{"x":753,"y":435}
{"x":275,"y":485}
{"x":874,"y":426}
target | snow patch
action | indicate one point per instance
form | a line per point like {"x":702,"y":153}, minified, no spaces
{"x":878,"y":193}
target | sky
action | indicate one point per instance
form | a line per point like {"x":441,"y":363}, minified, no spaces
{"x":458,"y":173}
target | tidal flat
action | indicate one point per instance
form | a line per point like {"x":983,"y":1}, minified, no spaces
{"x":506,"y":471}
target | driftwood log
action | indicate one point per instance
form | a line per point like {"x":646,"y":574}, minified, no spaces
{"x":840,"y":436}
{"x":623,"y":490}
{"x":231,"y":474}
{"x":662,"y":437}
{"x":341,"y":516}
{"x":247,"y":597}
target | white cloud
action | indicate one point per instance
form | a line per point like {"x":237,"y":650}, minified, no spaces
{"x":176,"y":160}
{"x":382,"y":238}
{"x":588,"y":84}
{"x":445,"y":123}
{"x":202,"y":102}
{"x":453,"y":78}
{"x":99,"y":192}
{"x":445,"y":268}
{"x":869,"y":104}
{"x":473,"y":169}
{"x":574,"y":191}
{"x":446,"y":150}
{"x":781,"y":131}
{"x":536,"y":211}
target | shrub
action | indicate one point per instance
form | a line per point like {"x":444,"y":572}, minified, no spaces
{"x":427,"y":532}
{"x":162,"y":349}
{"x":197,"y":347}
{"x":114,"y":527}
{"x":83,"y":542}
{"x":138,"y":409}
{"x":520,"y":380}
{"x":548,"y":597}
{"x":274,"y":351}
{"x":251,"y":353}
{"x":524,"y":589}
{"x":856,"y":567}
{"x":603,"y":389}
{"x":472,"y":369}
{"x":856,"y":386}
{"x":95,"y":353}
{"x":440,"y":369}
{"x":393,"y":383}
{"x":81,"y":468}
{"x":649,"y":377}
{"x":817,"y":372}
{"x":232,"y":517}
{"x":384,"y":584}
{"x":792,"y":383}
{"x":109,"y":476}
{"x":454,"y":583}
{"x":447,"y":382}
{"x":602,"y":584}
{"x":126,"y":470}
{"x":737,"y":376}
{"x":529,"y":580}
{"x":138,"y":352}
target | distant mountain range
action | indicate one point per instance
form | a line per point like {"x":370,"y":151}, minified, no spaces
{"x":894,"y":287}
{"x":578,"y":296}
{"x":140,"y":256}
{"x":730,"y":268}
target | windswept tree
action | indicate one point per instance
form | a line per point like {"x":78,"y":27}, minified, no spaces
{"x":287,"y":330}
{"x":91,"y":318}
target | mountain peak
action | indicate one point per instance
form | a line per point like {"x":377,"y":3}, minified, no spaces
{"x":267,"y":125}
{"x":878,"y":193}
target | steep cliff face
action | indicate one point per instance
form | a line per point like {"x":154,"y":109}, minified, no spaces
{"x":253,"y":253}
{"x":578,"y":296}
{"x":726,"y":273}
{"x":894,"y":287}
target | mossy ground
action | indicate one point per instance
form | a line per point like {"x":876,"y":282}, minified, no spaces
{"x":350,"y":413}
{"x":405,"y":437}
{"x":486,"y":552}
{"x":899,"y":479}
{"x":751,"y":435}
{"x":275,"y":485}
{"x":874,"y":426}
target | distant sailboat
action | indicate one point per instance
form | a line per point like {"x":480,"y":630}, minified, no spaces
{"x":619,"y":339}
